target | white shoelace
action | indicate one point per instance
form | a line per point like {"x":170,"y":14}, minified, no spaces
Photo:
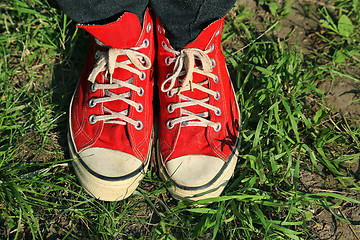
{"x":107,"y":63}
{"x":185,"y":66}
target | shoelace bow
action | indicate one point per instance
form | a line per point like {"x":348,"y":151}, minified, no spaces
{"x":107,"y":63}
{"x":185,"y":66}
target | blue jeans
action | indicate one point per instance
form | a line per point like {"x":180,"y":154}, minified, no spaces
{"x":183,"y":20}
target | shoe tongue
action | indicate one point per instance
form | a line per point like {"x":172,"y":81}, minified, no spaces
{"x":197,"y":94}
{"x":124,"y":33}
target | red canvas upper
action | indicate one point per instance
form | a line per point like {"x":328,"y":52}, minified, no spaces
{"x":188,"y":140}
{"x":124,"y":33}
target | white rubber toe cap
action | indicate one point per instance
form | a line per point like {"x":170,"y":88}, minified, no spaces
{"x":110,"y":163}
{"x":194,"y":170}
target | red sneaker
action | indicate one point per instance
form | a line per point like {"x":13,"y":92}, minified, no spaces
{"x":111,"y":112}
{"x":199,"y":116}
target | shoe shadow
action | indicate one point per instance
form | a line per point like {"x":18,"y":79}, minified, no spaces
{"x":66,"y":74}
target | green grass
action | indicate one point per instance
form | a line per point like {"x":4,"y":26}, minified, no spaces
{"x":284,"y":134}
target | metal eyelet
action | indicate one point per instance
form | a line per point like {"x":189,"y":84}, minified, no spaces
{"x":213,"y":63}
{"x":217,"y":97}
{"x":92,"y":103}
{"x":141,"y":92}
{"x":217,"y":33}
{"x":97,"y":55}
{"x":169,"y":125}
{"x":167,"y":61}
{"x":143,"y":75}
{"x":163,"y":44}
{"x":170,"y":109}
{"x":91,"y":119}
{"x":159,"y":29}
{"x":216,"y":79}
{"x":93,"y":89}
{"x":212,"y":47}
{"x":218,"y":128}
{"x":148,"y":28}
{"x":146,"y":42}
{"x":139,"y":126}
{"x":168,"y":93}
{"x":140,"y":108}
{"x":218,"y":112}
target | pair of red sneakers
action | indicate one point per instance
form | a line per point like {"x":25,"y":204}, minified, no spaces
{"x":111,"y":113}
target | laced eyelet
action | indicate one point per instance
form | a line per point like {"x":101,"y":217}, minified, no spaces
{"x":218,"y":112}
{"x":148,"y":28}
{"x":146,"y":42}
{"x":170,"y":109}
{"x":217,"y":97}
{"x":218,"y":128}
{"x":140,"y":108}
{"x":168,"y":93}
{"x":91,"y":103}
{"x":159,"y":29}
{"x":169,"y":125}
{"x":216,"y":79}
{"x":217,"y":33}
{"x":213,"y":63}
{"x":97,"y":55}
{"x":91,"y":119}
{"x":212,"y":47}
{"x":93,"y":89}
{"x":141,"y":92}
{"x":167,"y":61}
{"x":143,"y":76}
{"x":139,"y":126}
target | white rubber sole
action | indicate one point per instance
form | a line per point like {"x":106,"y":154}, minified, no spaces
{"x":212,"y":189}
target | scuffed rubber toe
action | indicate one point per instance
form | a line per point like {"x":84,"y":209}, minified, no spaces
{"x":196,"y":177}
{"x":107,"y":174}
{"x":194,"y":170}
{"x":113,"y":163}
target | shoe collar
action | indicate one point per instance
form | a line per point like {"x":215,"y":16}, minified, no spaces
{"x":123,"y":33}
